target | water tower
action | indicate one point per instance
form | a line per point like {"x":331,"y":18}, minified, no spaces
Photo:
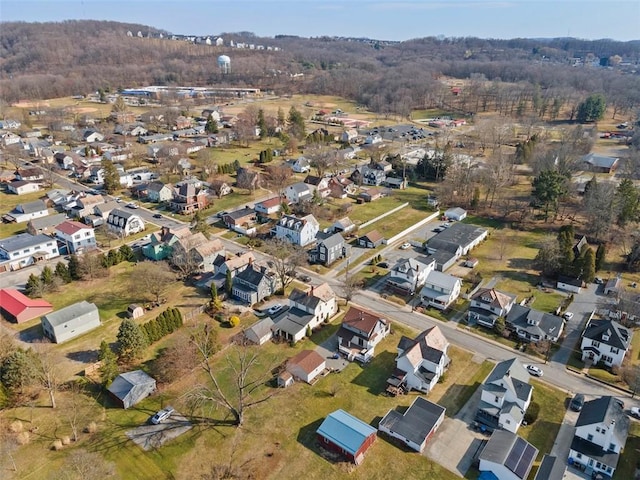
{"x":224,"y":64}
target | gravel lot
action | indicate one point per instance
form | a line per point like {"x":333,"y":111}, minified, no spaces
{"x":151,"y":436}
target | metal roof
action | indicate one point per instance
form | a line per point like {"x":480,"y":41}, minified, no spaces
{"x":345,"y":431}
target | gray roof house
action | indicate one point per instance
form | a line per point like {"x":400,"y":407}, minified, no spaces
{"x":254,"y":284}
{"x":71,"y":321}
{"x":25,"y":249}
{"x":124,"y":223}
{"x":532,"y":325}
{"x":408,"y":274}
{"x":440,"y":290}
{"x":130,"y":388}
{"x":459,"y":236}
{"x":605,"y":341}
{"x":27,"y":211}
{"x":506,"y":395}
{"x":507,"y":456}
{"x":329,"y":248}
{"x":159,"y":192}
{"x":46,"y":224}
{"x":600,"y":163}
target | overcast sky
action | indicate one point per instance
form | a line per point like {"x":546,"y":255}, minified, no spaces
{"x":384,"y":20}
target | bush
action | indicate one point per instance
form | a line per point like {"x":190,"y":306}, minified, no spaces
{"x":532,"y":413}
{"x":91,"y":428}
{"x":234,"y":321}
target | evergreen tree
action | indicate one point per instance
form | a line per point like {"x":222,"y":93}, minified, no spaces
{"x":18,"y":371}
{"x":211,"y":125}
{"x":109,"y":368}
{"x":152,"y":330}
{"x":280,"y":118}
{"x":62,"y":272}
{"x":601,"y":253}
{"x":179,"y":317}
{"x":127,"y":254}
{"x":46,"y":277}
{"x":548,"y":188}
{"x":163,"y":327}
{"x":499,"y":325}
{"x":228,"y":284}
{"x":592,"y":109}
{"x":33,"y":287}
{"x":589,"y":266}
{"x":114,"y":257}
{"x":111,"y":176}
{"x":214,"y":292}
{"x":75,"y":270}
{"x":296,"y":123}
{"x":262,"y":124}
{"x":627,"y":202}
{"x":131,"y":341}
{"x":566,"y":239}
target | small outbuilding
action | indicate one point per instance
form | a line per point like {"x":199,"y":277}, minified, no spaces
{"x":371,"y":239}
{"x":284,"y":380}
{"x":135,"y":311}
{"x":569,"y":284}
{"x":71,"y":321}
{"x":458,"y":214}
{"x":17,"y":307}
{"x":130,"y":388}
{"x":306,"y":365}
{"x":347,"y":435}
{"x":260,"y":332}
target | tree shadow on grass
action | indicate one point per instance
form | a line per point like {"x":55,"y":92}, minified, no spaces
{"x":84,"y":356}
{"x":375,"y":373}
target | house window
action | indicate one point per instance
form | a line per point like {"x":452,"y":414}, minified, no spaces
{"x":598,"y":464}
{"x":590,"y":437}
{"x":612,"y":447}
{"x":579,"y":455}
{"x":508,"y":422}
{"x":597,"y":429}
{"x":615,"y":351}
{"x":497,"y":399}
{"x":595,"y":343}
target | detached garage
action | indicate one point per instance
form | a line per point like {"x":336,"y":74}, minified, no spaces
{"x":416,"y":426}
{"x":458,"y":214}
{"x":19,"y":308}
{"x":347,"y":435}
{"x":71,"y":321}
{"x":130,"y":388}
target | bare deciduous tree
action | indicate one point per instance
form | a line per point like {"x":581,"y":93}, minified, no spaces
{"x":286,"y":259}
{"x":46,"y":369}
{"x":152,"y":278}
{"x":350,"y":286}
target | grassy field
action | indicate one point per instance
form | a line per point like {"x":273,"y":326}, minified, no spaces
{"x":8,"y":202}
{"x":629,"y":460}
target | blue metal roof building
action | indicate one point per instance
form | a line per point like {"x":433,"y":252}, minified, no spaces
{"x":344,"y":433}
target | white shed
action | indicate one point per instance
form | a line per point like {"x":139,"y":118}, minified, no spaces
{"x":456,"y":214}
{"x":71,"y":321}
{"x":260,"y":332}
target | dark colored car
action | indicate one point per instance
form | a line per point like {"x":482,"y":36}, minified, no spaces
{"x":383,"y":265}
{"x":577,"y":402}
{"x":157,"y":215}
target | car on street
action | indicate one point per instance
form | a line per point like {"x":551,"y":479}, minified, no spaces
{"x":577,"y":402}
{"x":446,"y":225}
{"x":405,"y":246}
{"x":157,"y":215}
{"x":132,"y":205}
{"x":162,"y":415}
{"x":598,"y":281}
{"x":533,"y":370}
{"x":274,"y":309}
{"x":635,"y":412}
{"x":305,"y":278}
{"x":438,"y":229}
{"x":383,"y":265}
{"x":567,"y":315}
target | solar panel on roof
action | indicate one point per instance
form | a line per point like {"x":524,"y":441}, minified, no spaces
{"x":525,"y":461}
{"x":515,"y":454}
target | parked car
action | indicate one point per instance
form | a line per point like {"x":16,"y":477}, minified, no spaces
{"x":567,"y":315}
{"x":162,"y":415}
{"x":533,"y":370}
{"x":577,"y":402}
{"x":305,"y":278}
{"x":635,"y":412}
{"x":598,"y":281}
{"x":383,"y":265}
{"x":438,"y":229}
{"x":157,"y":215}
{"x":405,"y":246}
{"x":132,"y":205}
{"x":274,"y":309}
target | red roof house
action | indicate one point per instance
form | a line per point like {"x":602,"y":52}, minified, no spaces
{"x":19,"y":308}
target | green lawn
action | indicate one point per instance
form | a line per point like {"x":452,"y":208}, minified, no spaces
{"x":629,"y":460}
{"x":9,"y":201}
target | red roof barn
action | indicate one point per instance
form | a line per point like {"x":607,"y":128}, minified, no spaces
{"x":19,"y":308}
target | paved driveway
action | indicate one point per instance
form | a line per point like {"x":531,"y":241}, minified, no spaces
{"x":153,"y":436}
{"x":327,"y":350}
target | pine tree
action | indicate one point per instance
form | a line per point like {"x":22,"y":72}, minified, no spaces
{"x":211,"y":125}
{"x":75,"y":271}
{"x":589,"y":266}
{"x":179,"y":317}
{"x":109,"y":368}
{"x":601,"y":253}
{"x":131,"y":340}
{"x":111,"y":176}
{"x":152,"y":330}
{"x":214,"y":292}
{"x":126,"y":253}
{"x":163,"y":328}
{"x":46,"y":277}
{"x":62,"y":272}
{"x":262,"y":124}
{"x":33,"y":287}
{"x":228,"y":283}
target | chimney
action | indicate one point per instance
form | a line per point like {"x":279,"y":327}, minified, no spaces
{"x":263,"y":269}
{"x":311,"y":291}
{"x":164,"y":231}
{"x":250,"y":261}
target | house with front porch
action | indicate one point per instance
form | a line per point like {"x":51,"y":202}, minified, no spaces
{"x":188,"y":198}
{"x":409,"y":274}
{"x":532,"y":325}
{"x":161,"y":243}
{"x":329,"y":249}
{"x":159,"y":192}
{"x":298,"y":192}
{"x":440,"y":290}
{"x":360,"y":332}
{"x":124,"y":223}
{"x":319,"y":301}
{"x":24,"y":249}
{"x":487,"y":304}
{"x":506,"y":395}
{"x":254,"y":284}
{"x":605,"y":341}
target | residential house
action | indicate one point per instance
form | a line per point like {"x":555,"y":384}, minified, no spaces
{"x":206,"y":253}
{"x":349,"y":136}
{"x":372,"y":239}
{"x":319,"y":185}
{"x":292,"y":324}
{"x":372,"y":139}
{"x":420,"y":362}
{"x":396,"y":182}
{"x":240,"y":220}
{"x":124,"y":223}
{"x":90,"y":136}
{"x":27,"y":211}
{"x":343,"y":225}
{"x":329,"y":248}
{"x":368,"y":176}
{"x":454,"y":242}
{"x":24,"y":249}
{"x":440,"y":290}
{"x":601,"y":433}
{"x":101,"y":212}
{"x":96,"y":174}
{"x":605,"y":341}
{"x":129,"y":388}
{"x":506,"y":395}
{"x":301,"y":165}
{"x":408,"y":274}
{"x":360,"y":332}
{"x":532,"y":325}
{"x":159,"y":192}
{"x":45,"y":225}
{"x":161,"y":243}
{"x":341,"y":187}
{"x":29,"y":174}
{"x":70,"y":322}
{"x":370,"y":195}
{"x":268,"y":207}
{"x":195,"y":251}
{"x":254,"y":284}
{"x":416,"y":425}
{"x":260,"y":332}
{"x":17,"y":307}
{"x":319,"y":301}
{"x":298,"y":192}
{"x":569,"y":284}
{"x":76,"y":236}
{"x":248,"y":179}
{"x":84,"y":206}
{"x":188,"y":199}
{"x":507,"y":457}
{"x":299,"y":231}
{"x":235,"y":264}
{"x":613,"y":286}
{"x":346,"y":435}
{"x":457,"y":214}
{"x":220,"y":188}
{"x":600,"y":163}
{"x":22,"y":187}
{"x":306,"y":366}
{"x":487,"y":304}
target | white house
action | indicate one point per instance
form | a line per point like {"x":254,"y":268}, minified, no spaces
{"x":306,"y":366}
{"x":124,"y":223}
{"x":22,"y":187}
{"x":601,"y":433}
{"x":77,"y":236}
{"x":71,"y":321}
{"x":299,"y":231}
{"x":260,"y":332}
{"x":507,"y":456}
{"x":409,"y":274}
{"x":456,"y":214}
{"x":533,"y":325}
{"x":301,"y":165}
{"x":605,"y":341}
{"x":487,"y":304}
{"x":506,"y":395}
{"x":421,"y":361}
{"x":440,"y":290}
{"x":569,"y":284}
{"x":320,"y":301}
{"x":360,"y":332}
{"x":27,"y":211}
{"x":298,"y":192}
{"x":269,"y":206}
{"x":25,"y":249}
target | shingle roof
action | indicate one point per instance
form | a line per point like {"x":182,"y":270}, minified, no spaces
{"x":362,"y":320}
{"x":495,"y":297}
{"x":606,"y":411}
{"x":618,"y":336}
{"x":330,"y":240}
{"x":429,"y":345}
{"x":373,"y":236}
{"x":64,"y":315}
{"x":459,"y":234}
{"x":514,"y":375}
{"x":31,"y":207}
{"x":23,"y":240}
{"x":416,"y":423}
{"x":307,"y":360}
{"x":70,"y":227}
{"x":510,"y":450}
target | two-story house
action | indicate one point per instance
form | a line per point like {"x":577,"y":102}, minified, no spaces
{"x":77,"y":236}
{"x":254,"y":284}
{"x":487,"y":304}
{"x":161,"y":243}
{"x":298,"y":192}
{"x":420,"y":362}
{"x":409,"y":274}
{"x":269,"y":206}
{"x":25,"y":249}
{"x":360,"y":332}
{"x":329,"y":248}
{"x":299,"y":231}
{"x":341,"y":187}
{"x":196,"y":253}
{"x":601,"y":433}
{"x":506,"y":395}
{"x":188,"y":199}
{"x":532,"y":325}
{"x":301,"y":165}
{"x":371,"y":176}
{"x":440,"y":290}
{"x":319,"y":300}
{"x":159,"y":192}
{"x":242,"y":219}
{"x":235,"y":264}
{"x":605,"y":341}
{"x":124,"y":223}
